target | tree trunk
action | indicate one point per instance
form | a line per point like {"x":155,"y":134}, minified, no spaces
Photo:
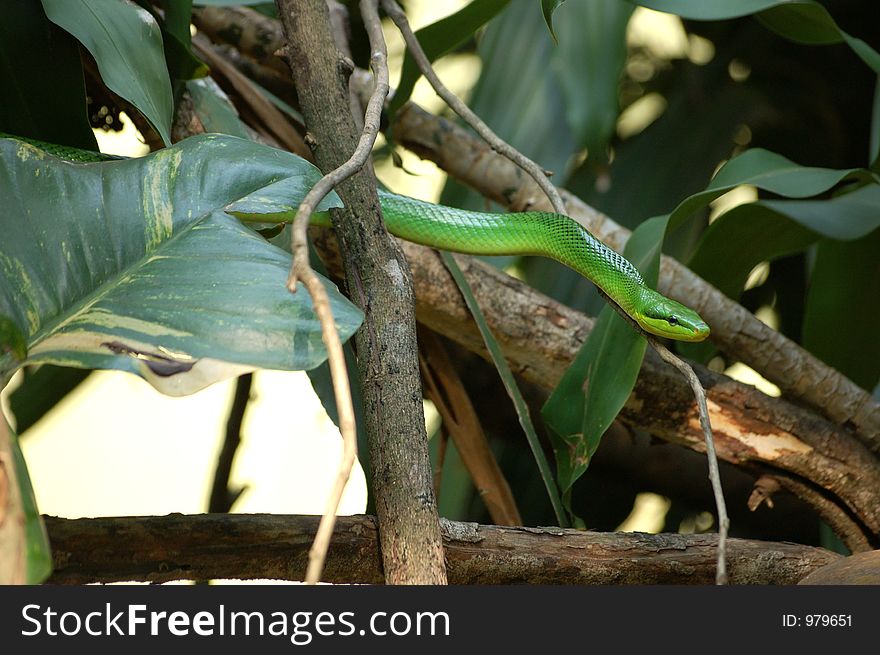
{"x":380,"y":283}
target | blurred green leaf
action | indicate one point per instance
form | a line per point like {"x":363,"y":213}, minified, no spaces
{"x":842,"y":313}
{"x":802,"y":21}
{"x":149,"y":275}
{"x":742,"y":238}
{"x":40,"y":391}
{"x":597,"y":384}
{"x":590,"y":60}
{"x":126,"y":43}
{"x":547,"y":8}
{"x":44,"y":96}
{"x":442,"y":37}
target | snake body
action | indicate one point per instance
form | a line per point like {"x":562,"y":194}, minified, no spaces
{"x":522,"y":233}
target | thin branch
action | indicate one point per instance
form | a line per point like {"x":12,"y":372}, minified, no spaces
{"x":706,"y":427}
{"x":497,"y":143}
{"x":222,"y":497}
{"x":301,"y":270}
{"x":714,"y":474}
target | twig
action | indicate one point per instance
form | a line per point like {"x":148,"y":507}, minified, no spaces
{"x":497,"y":143}
{"x":222,"y":497}
{"x":301,"y":270}
{"x":714,"y":474}
{"x":700,"y":396}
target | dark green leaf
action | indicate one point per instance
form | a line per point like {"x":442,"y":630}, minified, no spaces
{"x":44,"y":96}
{"x":177,"y":41}
{"x":442,"y":37}
{"x":127,"y":46}
{"x":40,"y":391}
{"x":547,"y":8}
{"x":802,"y":21}
{"x":742,"y":238}
{"x":842,"y":314}
{"x":874,"y":143}
{"x":133,"y":264}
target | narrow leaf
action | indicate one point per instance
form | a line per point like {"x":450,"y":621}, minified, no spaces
{"x":522,"y":410}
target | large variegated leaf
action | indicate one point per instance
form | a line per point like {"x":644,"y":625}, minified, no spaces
{"x":134,"y":265}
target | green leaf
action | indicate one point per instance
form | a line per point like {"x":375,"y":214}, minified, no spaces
{"x":802,"y":21}
{"x":215,"y":112}
{"x":597,"y":384}
{"x":177,"y":40}
{"x":874,"y":141}
{"x":127,"y":45}
{"x":842,"y":312}
{"x":38,"y":552}
{"x":133,"y":264}
{"x":591,"y":58}
{"x":844,"y":217}
{"x":40,"y":391}
{"x":44,"y":96}
{"x":504,"y":372}
{"x":742,"y":238}
{"x":441,"y":38}
{"x":547,"y":8}
{"x":770,"y":172}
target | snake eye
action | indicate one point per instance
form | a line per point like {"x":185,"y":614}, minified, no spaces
{"x":672,"y":320}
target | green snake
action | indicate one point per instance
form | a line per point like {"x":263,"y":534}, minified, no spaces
{"x":521,"y":233}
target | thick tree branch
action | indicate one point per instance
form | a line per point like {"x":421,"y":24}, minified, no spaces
{"x":379,"y":282}
{"x":259,"y":546}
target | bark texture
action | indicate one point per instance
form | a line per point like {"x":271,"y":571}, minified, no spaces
{"x":255,"y":546}
{"x":379,"y":282}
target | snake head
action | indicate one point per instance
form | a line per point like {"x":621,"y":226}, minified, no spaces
{"x":667,"y":318}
